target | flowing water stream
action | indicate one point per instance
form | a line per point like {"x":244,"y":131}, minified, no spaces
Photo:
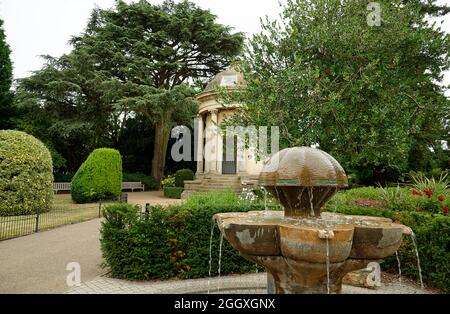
{"x":399,"y":267}
{"x":414,"y":241}
{"x":328,"y":266}
{"x":220,"y":259}
{"x":213,"y":224}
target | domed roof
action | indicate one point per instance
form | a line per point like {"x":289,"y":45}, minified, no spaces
{"x":230,"y":78}
{"x":303,"y":166}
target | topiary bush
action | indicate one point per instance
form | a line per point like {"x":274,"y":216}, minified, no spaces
{"x":173,"y":192}
{"x":99,"y":177}
{"x":183,"y":175}
{"x":26,"y":179}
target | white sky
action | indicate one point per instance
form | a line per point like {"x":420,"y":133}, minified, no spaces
{"x":38,"y":27}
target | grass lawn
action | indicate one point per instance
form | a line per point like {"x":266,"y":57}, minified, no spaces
{"x":63,"y":212}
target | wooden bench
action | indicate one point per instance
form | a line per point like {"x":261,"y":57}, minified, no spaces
{"x":133,"y":186}
{"x":62,"y":186}
{"x":67,"y":186}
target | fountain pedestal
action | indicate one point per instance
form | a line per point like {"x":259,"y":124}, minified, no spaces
{"x":302,"y":249}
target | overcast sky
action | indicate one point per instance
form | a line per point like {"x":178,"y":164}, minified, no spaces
{"x":38,"y":27}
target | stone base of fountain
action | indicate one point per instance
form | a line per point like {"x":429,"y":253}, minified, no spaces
{"x":287,"y":276}
{"x":310,"y":255}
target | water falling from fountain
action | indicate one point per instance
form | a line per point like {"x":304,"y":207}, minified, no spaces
{"x":213,"y":224}
{"x":220,"y":259}
{"x":399,"y":267}
{"x":311,"y":197}
{"x":414,"y":240}
{"x":328,"y":266}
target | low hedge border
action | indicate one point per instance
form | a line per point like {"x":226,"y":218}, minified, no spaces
{"x":173,"y":192}
{"x":167,"y":243}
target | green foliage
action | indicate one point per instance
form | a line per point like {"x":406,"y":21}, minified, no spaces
{"x":173,"y":192}
{"x":7,"y":111}
{"x":369,"y":96}
{"x":148,"y":181}
{"x":169,"y":242}
{"x":151,"y":52}
{"x":99,"y":177}
{"x":168,"y":182}
{"x":125,"y":84}
{"x":432,"y":232}
{"x":26,"y":180}
{"x":183,"y":175}
{"x":63,"y":177}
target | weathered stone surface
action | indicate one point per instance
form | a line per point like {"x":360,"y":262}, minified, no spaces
{"x":359,"y":278}
{"x":376,"y":242}
{"x":303,"y":250}
{"x":304,"y":243}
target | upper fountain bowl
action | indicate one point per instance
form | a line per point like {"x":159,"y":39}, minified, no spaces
{"x":303,"y":179}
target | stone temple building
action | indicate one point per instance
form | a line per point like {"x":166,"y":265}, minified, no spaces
{"x":215,"y":169}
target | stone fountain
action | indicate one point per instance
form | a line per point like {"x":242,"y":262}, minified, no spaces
{"x":302,"y":249}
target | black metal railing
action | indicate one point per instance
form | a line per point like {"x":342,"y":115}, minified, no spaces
{"x":59,"y":215}
{"x":17,"y":226}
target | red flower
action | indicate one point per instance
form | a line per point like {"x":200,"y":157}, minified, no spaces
{"x":414,"y":192}
{"x":428,"y":192}
{"x":444,"y":210}
{"x":440,"y":198}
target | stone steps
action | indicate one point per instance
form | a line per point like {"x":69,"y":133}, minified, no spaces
{"x":209,"y":183}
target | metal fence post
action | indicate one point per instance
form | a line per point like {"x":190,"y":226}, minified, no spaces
{"x":100,"y":210}
{"x":38,"y":212}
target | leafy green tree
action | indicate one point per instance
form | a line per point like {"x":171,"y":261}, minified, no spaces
{"x":369,"y":95}
{"x":6,"y":109}
{"x":150,"y":54}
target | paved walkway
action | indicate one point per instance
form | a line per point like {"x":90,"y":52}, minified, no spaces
{"x":37,"y":263}
{"x":238,"y":284}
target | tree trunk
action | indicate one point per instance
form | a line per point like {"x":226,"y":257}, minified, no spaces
{"x":162,"y":135}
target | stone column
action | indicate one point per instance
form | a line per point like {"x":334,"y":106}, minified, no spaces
{"x":214,"y":122}
{"x":200,"y":144}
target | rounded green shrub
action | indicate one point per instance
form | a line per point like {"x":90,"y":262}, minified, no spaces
{"x":99,"y":177}
{"x":26,"y":174}
{"x":183,"y":175}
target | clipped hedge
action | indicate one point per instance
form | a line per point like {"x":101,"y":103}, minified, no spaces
{"x":183,"y":175}
{"x":169,"y":242}
{"x":99,"y":177}
{"x":26,"y":179}
{"x":173,"y":192}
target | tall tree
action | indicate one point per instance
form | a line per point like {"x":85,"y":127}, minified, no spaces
{"x":368,"y":93}
{"x":67,"y":105}
{"x":6,"y":107}
{"x":150,"y":53}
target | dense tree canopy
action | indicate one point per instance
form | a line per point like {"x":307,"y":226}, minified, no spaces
{"x":133,"y":61}
{"x":151,"y":53}
{"x":6,"y":108}
{"x":369,"y":95}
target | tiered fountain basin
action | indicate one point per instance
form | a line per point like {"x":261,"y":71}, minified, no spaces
{"x":294,"y":251}
{"x":302,"y":249}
